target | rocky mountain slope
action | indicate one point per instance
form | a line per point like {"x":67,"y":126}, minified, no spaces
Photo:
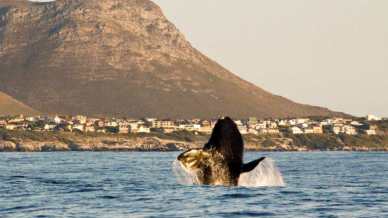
{"x":10,"y":106}
{"x":121,"y":58}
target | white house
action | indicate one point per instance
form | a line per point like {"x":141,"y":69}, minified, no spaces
{"x":350,"y":130}
{"x":11,"y":126}
{"x":308,"y":131}
{"x":57,"y":120}
{"x":49,"y":126}
{"x":124,"y":129}
{"x":296,"y":130}
{"x":373,"y":118}
{"x":79,"y":127}
{"x":81,"y":119}
{"x":143,"y":129}
{"x":90,"y":129}
{"x":370,"y":132}
{"x":3,"y":123}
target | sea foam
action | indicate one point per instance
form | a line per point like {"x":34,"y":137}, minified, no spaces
{"x":266,"y":174}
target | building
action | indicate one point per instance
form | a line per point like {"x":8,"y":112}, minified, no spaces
{"x":58,"y":120}
{"x":11,"y":126}
{"x":344,"y":129}
{"x":369,"y":129}
{"x":296,"y":130}
{"x":252,"y":121}
{"x":3,"y":123}
{"x":337,"y":129}
{"x":269,"y":131}
{"x":168,"y":130}
{"x":143,"y":129}
{"x":90,"y":129}
{"x":302,"y":120}
{"x":370,"y":132}
{"x":350,"y":130}
{"x":101,"y":130}
{"x":205,"y":129}
{"x":282,"y":123}
{"x":111,"y":123}
{"x":124,"y":129}
{"x":373,"y":118}
{"x":78,"y":127}
{"x":49,"y":126}
{"x":160,"y":124}
{"x":253,"y":131}
{"x":317,"y":129}
{"x":308,"y":130}
{"x":81,"y":119}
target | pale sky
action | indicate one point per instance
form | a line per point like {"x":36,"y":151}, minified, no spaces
{"x":331,"y":53}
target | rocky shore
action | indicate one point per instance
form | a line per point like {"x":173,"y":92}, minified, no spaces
{"x":141,"y":144}
{"x":21,"y":141}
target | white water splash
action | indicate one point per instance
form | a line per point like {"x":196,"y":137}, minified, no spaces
{"x":183,"y":177}
{"x":266,"y":174}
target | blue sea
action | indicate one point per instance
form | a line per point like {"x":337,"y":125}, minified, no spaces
{"x":76,"y":184}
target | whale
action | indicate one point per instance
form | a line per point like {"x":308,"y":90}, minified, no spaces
{"x":220,"y":161}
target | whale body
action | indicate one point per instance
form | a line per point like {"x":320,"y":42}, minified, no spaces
{"x":220,"y":161}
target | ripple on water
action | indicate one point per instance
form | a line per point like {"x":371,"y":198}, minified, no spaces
{"x":80,"y":184}
{"x":246,"y":214}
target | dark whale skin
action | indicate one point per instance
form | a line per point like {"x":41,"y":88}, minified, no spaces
{"x":227,"y":141}
{"x":223,"y":162}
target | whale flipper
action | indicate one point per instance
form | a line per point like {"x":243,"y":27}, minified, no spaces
{"x":251,"y":165}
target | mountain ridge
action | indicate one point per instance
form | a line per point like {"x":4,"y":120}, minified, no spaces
{"x":10,"y":106}
{"x":120,"y":58}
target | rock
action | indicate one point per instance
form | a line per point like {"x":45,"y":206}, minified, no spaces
{"x":7,"y":146}
{"x":54,"y":147}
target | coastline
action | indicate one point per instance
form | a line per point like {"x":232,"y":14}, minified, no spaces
{"x":21,"y":141}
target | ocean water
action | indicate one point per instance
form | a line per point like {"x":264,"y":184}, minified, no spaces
{"x":76,"y":184}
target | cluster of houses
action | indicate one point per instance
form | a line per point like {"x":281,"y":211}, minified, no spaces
{"x":148,"y":125}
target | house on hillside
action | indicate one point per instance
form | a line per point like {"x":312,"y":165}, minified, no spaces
{"x":11,"y":126}
{"x":271,"y":131}
{"x":90,"y":128}
{"x":3,"y":123}
{"x":318,"y":129}
{"x":373,"y":118}
{"x":206,"y":129}
{"x":160,"y":124}
{"x":368,"y":129}
{"x":337,"y":129}
{"x":308,"y":130}
{"x":58,"y":120}
{"x":81,"y":119}
{"x":78,"y":127}
{"x":350,"y":130}
{"x":253,"y":131}
{"x":296,"y":130}
{"x":124,"y":129}
{"x":313,"y":129}
{"x":49,"y":126}
{"x":143,"y":129}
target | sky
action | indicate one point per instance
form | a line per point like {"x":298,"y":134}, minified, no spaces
{"x":331,"y":53}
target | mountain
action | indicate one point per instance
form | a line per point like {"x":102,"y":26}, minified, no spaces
{"x":10,"y":106}
{"x":120,"y":58}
